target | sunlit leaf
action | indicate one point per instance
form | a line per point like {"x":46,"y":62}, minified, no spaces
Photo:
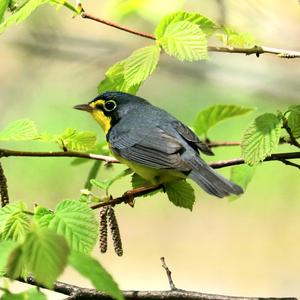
{"x":206,"y":25}
{"x":214,"y":114}
{"x":181,"y":194}
{"x":92,"y":269}
{"x":261,"y":138}
{"x":75,"y":221}
{"x":184,"y":40}
{"x":294,"y":123}
{"x":20,"y":130}
{"x":140,"y":64}
{"x":6,"y":248}
{"x":32,"y":294}
{"x":3,"y":7}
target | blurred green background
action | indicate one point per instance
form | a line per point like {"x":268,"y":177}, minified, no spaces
{"x":247,"y":247}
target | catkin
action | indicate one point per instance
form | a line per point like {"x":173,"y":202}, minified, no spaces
{"x":3,"y":188}
{"x":115,"y":232}
{"x":103,"y":229}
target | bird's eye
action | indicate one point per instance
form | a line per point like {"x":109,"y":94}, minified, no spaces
{"x":110,"y":105}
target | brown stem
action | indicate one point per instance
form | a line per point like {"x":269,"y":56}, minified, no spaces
{"x":257,"y":50}
{"x":169,"y":274}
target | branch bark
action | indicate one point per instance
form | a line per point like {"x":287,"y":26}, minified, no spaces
{"x":3,"y":188}
{"x":257,"y":50}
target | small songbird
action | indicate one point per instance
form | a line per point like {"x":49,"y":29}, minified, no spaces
{"x":154,"y":144}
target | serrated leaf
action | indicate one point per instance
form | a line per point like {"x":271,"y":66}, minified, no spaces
{"x":20,"y":130}
{"x":214,"y":114}
{"x":32,"y":294}
{"x":92,"y":269}
{"x":206,"y":24}
{"x":43,"y":253}
{"x":294,"y":123}
{"x":6,"y":248}
{"x":185,"y":40}
{"x":21,"y":14}
{"x":140,"y":64}
{"x":16,"y":227}
{"x":3,"y":8}
{"x":294,"y":109}
{"x":237,"y":39}
{"x":76,"y":222}
{"x":261,"y":138}
{"x":77,"y":141}
{"x":241,"y":175}
{"x":115,"y":80}
{"x":181,"y":194}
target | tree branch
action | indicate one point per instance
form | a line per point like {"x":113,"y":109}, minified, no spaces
{"x":169,"y":274}
{"x":3,"y":188}
{"x":77,"y":293}
{"x":257,"y":50}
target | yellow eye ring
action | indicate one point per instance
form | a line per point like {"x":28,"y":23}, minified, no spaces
{"x":110,"y":105}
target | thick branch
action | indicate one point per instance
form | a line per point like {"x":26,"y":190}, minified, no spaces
{"x":3,"y":188}
{"x":76,"y":293}
{"x":257,"y":50}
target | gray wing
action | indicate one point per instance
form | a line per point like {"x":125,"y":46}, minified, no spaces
{"x":151,"y":147}
{"x":191,"y":138}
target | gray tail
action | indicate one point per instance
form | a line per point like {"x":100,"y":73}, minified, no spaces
{"x":212,"y":182}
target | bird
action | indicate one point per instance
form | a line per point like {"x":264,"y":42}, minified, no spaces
{"x":154,"y":144}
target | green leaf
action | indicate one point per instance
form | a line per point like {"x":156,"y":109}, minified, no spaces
{"x":31,"y":294}
{"x":6,"y":248}
{"x":75,"y":221}
{"x":140,"y":64}
{"x":91,"y":269}
{"x":22,"y":14}
{"x":237,"y":39}
{"x":16,"y":227}
{"x":184,"y":40}
{"x":115,"y":80}
{"x":103,"y":185}
{"x":77,"y":141}
{"x":241,"y":175}
{"x":43,"y":253}
{"x":181,"y":194}
{"x":214,"y":114}
{"x":294,"y":123}
{"x":294,"y":109}
{"x":261,"y":138}
{"x":206,"y":24}
{"x":3,"y":8}
{"x":20,"y":130}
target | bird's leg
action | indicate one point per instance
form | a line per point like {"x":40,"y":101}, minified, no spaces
{"x":140,"y":191}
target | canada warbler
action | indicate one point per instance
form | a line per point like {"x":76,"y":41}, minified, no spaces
{"x":154,"y":144}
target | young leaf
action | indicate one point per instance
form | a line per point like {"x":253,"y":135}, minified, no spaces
{"x":241,"y":175}
{"x":77,"y":141}
{"x":115,"y":80}
{"x":206,"y":24}
{"x":237,"y":39}
{"x":3,"y":8}
{"x":6,"y":248}
{"x":16,"y":227}
{"x":181,"y":194}
{"x":184,"y":40}
{"x":140,"y":64}
{"x":75,"y":221}
{"x":22,"y":14}
{"x":294,"y":109}
{"x":91,"y":269}
{"x":261,"y":138}
{"x":294,"y":123}
{"x":44,"y":253}
{"x":20,"y":130}
{"x":214,"y":114}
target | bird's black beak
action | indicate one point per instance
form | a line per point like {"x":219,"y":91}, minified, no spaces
{"x":84,"y":107}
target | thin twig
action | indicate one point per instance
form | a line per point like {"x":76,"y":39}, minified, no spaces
{"x":289,"y":163}
{"x":76,"y":292}
{"x":169,"y":274}
{"x":293,"y":140}
{"x":3,"y":188}
{"x":257,"y":50}
{"x":222,"y":144}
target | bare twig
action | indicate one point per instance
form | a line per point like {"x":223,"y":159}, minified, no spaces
{"x":3,"y":188}
{"x":222,"y":144}
{"x":169,"y":274}
{"x":257,"y":50}
{"x":289,"y":163}
{"x":78,"y":293}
